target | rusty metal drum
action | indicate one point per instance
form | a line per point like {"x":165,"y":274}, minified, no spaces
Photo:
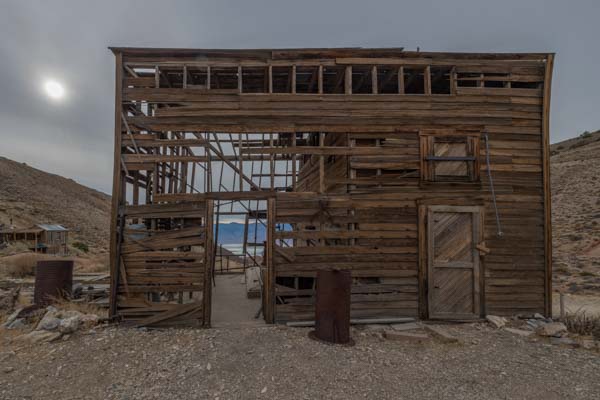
{"x":53,"y":279}
{"x":332,"y":308}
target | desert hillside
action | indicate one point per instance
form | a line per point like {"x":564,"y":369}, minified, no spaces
{"x":29,"y":196}
{"x":575,"y":175}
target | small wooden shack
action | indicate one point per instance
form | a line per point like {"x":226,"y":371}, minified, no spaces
{"x":424,"y":174}
{"x":42,"y":238}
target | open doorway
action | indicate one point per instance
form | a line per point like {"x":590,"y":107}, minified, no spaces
{"x":239,"y":243}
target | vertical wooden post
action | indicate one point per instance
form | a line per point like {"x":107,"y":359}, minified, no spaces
{"x":208,"y":263}
{"x":208,"y":77}
{"x":427,"y":79}
{"x":453,"y":80}
{"x":547,"y":189}
{"x":293,"y":79}
{"x":241,"y":156}
{"x":401,"y":80}
{"x":245,"y":246}
{"x":240,"y":78}
{"x":320,"y":79}
{"x":348,"y":80}
{"x":272,"y":162}
{"x":270,"y":79}
{"x":321,"y":164}
{"x":269,"y":278}
{"x":136,"y":191}
{"x":374,"y":83}
{"x":185,"y":76}
{"x":294,"y":162}
{"x":116,"y":193}
{"x":208,"y":172}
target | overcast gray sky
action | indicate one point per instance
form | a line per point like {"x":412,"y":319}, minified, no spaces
{"x":68,"y":40}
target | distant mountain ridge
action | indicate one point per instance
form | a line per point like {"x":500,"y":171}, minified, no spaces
{"x":233,"y":233}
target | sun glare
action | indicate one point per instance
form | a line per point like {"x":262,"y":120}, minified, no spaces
{"x":54,"y":90}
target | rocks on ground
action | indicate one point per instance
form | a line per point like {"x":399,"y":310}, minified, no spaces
{"x":53,"y":325}
{"x":540,"y":326}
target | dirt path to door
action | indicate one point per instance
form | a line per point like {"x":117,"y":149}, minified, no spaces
{"x":230,"y":305}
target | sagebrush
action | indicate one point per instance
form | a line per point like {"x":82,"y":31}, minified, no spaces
{"x":583,"y":323}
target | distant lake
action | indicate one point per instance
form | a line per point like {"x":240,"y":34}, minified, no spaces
{"x":238,"y":249}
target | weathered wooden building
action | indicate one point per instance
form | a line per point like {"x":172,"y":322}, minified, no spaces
{"x":425,"y":174}
{"x":42,"y":238}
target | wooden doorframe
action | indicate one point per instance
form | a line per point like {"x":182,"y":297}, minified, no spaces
{"x":269,"y":275}
{"x":208,"y":260}
{"x":425,"y":215}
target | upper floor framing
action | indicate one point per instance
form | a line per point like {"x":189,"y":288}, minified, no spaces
{"x":351,"y":71}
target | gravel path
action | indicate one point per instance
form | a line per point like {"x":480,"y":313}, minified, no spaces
{"x":280,"y":362}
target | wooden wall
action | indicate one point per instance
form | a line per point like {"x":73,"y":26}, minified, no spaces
{"x":165,"y":273}
{"x":373,"y":225}
{"x":373,"y":236}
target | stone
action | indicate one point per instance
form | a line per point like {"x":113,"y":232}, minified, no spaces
{"x":405,"y":327}
{"x":18,"y":323}
{"x":40,"y":336}
{"x":70,"y":314}
{"x":12,"y":317}
{"x":77,"y":291}
{"x":441,"y":334}
{"x":588,"y":344}
{"x":8,"y":370}
{"x":538,"y":316}
{"x":552,"y":329}
{"x":69,"y":325}
{"x":48,"y":323}
{"x":89,"y":320}
{"x":519,"y":332}
{"x":50,"y":320}
{"x":51,"y":309}
{"x":406,"y":336}
{"x":495,"y":320}
{"x":534,"y":324}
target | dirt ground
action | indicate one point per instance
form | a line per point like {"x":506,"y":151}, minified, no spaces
{"x":283,"y":363}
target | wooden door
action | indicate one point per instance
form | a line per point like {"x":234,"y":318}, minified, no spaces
{"x":453,"y":233}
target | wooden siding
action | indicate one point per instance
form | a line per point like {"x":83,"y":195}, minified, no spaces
{"x":359,"y":199}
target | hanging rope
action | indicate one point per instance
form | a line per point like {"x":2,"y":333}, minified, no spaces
{"x":489,"y":173}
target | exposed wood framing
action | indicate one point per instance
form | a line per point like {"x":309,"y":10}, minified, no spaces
{"x":341,"y":154}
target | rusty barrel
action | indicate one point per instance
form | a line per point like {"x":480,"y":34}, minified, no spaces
{"x":53,"y":278}
{"x":332,"y":308}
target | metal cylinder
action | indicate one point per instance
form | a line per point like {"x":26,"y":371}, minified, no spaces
{"x":332,"y":308}
{"x":53,"y":279}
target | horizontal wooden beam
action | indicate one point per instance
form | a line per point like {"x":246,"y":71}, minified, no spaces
{"x":326,"y":150}
{"x":191,"y":197}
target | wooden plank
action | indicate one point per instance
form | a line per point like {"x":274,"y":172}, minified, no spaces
{"x":269,"y":283}
{"x":172,"y":313}
{"x":547,"y":188}
{"x":348,"y":80}
{"x":117,"y":185}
